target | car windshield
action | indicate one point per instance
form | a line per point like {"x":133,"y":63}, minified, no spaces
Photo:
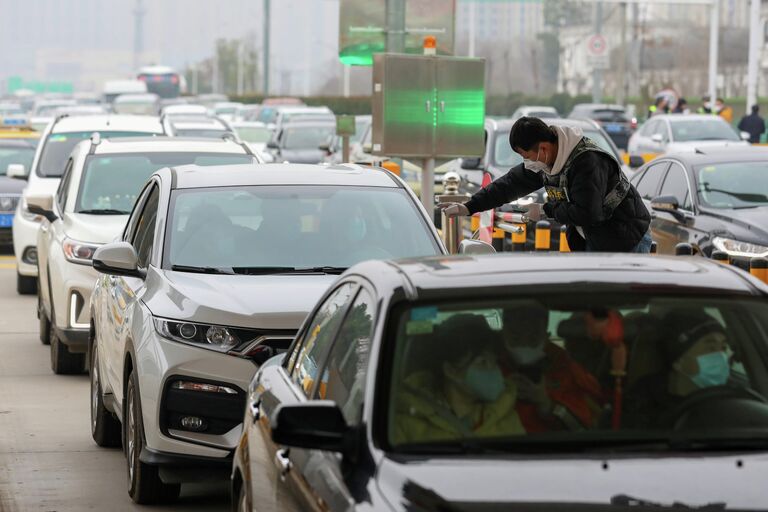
{"x":58,"y":147}
{"x":257,"y":134}
{"x":585,"y":372}
{"x":306,"y":137}
{"x":733,"y":184}
{"x":503,"y":156}
{"x":110,"y":184}
{"x":206,"y":134}
{"x":684,"y":130}
{"x":135,"y":107}
{"x":292,"y":227}
{"x":16,"y":155}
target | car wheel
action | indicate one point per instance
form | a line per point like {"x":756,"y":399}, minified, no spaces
{"x":45,"y":324}
{"x":105,"y":428}
{"x":25,"y":285}
{"x":63,"y":362}
{"x":144,"y":483}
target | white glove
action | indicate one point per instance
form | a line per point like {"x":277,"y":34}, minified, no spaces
{"x":535,"y":212}
{"x":454,"y":209}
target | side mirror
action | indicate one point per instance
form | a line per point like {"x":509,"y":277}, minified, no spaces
{"x":41,"y":205}
{"x":315,"y":425}
{"x":665,"y":204}
{"x":636,"y":161}
{"x":117,"y":259}
{"x":657,"y":138}
{"x":470,"y":163}
{"x":325,"y":147}
{"x":368,"y":148}
{"x":744,"y":136}
{"x":272,"y":145}
{"x":16,"y":171}
{"x":471,"y":247}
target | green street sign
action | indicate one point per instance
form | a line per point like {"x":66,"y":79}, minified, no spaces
{"x":16,"y":82}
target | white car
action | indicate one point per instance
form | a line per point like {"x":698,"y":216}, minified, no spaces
{"x":209,"y":127}
{"x":669,"y":133}
{"x":101,"y":181}
{"x":183,"y":110}
{"x":540,"y":111}
{"x":215,"y":272}
{"x":255,"y":134}
{"x":56,"y":143}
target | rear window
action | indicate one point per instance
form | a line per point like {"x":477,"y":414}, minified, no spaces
{"x":611,"y":116}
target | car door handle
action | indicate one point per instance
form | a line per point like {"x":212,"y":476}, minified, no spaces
{"x":283,"y":462}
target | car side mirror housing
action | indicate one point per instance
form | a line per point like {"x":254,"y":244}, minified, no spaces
{"x":117,"y":259}
{"x":665,"y":204}
{"x":470,"y":163}
{"x":368,"y":148}
{"x":16,"y":171}
{"x":272,"y":145}
{"x":41,"y":205}
{"x":636,"y":161}
{"x":471,"y":247}
{"x":315,"y":425}
{"x":745,"y":136}
{"x":657,"y":137}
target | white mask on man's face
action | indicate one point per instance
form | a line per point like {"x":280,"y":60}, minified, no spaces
{"x":536,"y":165}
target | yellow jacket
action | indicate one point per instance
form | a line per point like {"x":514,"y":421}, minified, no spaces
{"x":423,"y":414}
{"x":727,"y":114}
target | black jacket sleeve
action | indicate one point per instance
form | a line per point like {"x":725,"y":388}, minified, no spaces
{"x":587,"y":187}
{"x":518,"y":182}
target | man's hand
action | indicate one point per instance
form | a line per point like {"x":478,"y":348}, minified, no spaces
{"x":454,"y":209}
{"x":535,"y":212}
{"x":533,"y":392}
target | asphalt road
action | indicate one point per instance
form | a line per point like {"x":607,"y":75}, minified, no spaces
{"x":48,"y":460}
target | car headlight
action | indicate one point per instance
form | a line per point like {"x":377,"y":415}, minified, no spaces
{"x":27,"y":215}
{"x":78,"y":252}
{"x":739,"y":248}
{"x":211,"y":337}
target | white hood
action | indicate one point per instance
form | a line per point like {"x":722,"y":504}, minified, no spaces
{"x":96,"y":229}
{"x":567,"y":138}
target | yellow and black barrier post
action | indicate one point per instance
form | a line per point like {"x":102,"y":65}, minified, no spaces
{"x":684,"y":249}
{"x":563,"y":245}
{"x":758,"y":267}
{"x":542,"y":239}
{"x":721,"y":256}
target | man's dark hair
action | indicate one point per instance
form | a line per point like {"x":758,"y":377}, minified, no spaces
{"x":527,"y":132}
{"x":682,"y":102}
{"x":755,"y":109}
{"x":720,"y":100}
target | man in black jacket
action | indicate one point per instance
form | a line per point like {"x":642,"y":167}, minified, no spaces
{"x":753,"y":124}
{"x":586,"y":188}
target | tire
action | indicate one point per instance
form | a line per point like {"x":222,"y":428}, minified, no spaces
{"x":45,"y":324}
{"x":144,"y":484}
{"x":63,"y":362}
{"x":25,"y":285}
{"x":105,"y":429}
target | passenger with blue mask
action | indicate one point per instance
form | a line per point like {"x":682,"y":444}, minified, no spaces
{"x":694,"y":348}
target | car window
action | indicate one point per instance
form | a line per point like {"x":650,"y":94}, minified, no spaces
{"x":608,"y":115}
{"x":733,"y":184}
{"x":684,"y":130}
{"x":661,"y":129}
{"x":306,"y":137}
{"x":254,"y":134}
{"x":318,"y":337}
{"x":130,"y":226}
{"x":16,"y":155}
{"x":145,"y":229}
{"x":344,"y":375}
{"x":600,"y":139}
{"x":648,"y":183}
{"x":648,"y":128}
{"x":62,"y":191}
{"x":503,"y":156}
{"x":676,"y":185}
{"x":558,"y":374}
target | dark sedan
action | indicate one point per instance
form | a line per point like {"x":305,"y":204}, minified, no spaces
{"x":544,"y":382}
{"x":612,"y":118}
{"x":714,"y":199}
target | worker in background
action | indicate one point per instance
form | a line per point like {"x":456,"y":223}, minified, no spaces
{"x":706,"y":106}
{"x":660,"y":107}
{"x":681,"y":107}
{"x":586,"y":189}
{"x":753,"y":124}
{"x":724,"y":110}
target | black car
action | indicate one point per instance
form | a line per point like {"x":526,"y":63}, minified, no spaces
{"x":713,"y":199}
{"x":407,"y":389}
{"x":18,"y":152}
{"x":612,"y":118}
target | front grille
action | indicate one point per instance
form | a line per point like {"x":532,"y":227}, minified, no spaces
{"x":9,"y":202}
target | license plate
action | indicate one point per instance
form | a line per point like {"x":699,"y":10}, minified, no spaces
{"x":613,"y":128}
{"x":6,"y":220}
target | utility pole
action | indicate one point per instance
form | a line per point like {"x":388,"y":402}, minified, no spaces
{"x":265,"y":46}
{"x":621,"y":96}
{"x":714,"y":35}
{"x":597,"y":74}
{"x":138,"y":34}
{"x":755,"y":33}
{"x":215,"y":68}
{"x":240,"y":66}
{"x":472,"y":27}
{"x":395,"y":26}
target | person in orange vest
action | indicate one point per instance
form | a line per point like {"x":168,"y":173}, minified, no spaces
{"x":554,"y":392}
{"x":724,"y":110}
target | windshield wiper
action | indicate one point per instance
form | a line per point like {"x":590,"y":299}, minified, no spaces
{"x":202,"y":270}
{"x":320,"y":270}
{"x":742,"y":196}
{"x":104,"y":211}
{"x":251,"y":271}
{"x":624,"y":500}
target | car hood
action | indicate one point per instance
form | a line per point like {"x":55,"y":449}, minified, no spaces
{"x":11,"y":185}
{"x":737,"y":481}
{"x":42,"y":186}
{"x":263,"y":302}
{"x":302,"y":156}
{"x":747,"y":224}
{"x":699,"y":144}
{"x":97,"y":229}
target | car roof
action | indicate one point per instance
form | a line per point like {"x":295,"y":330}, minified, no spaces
{"x":167,"y":144}
{"x":598,"y":106}
{"x":182,"y":123}
{"x":194,"y":176}
{"x":506,"y":124}
{"x":720,"y":154}
{"x":110,"y":122}
{"x":606,"y":272}
{"x":688,"y":117}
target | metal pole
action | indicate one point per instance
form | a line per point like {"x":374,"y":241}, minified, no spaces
{"x":345,"y":148}
{"x":714,"y":33}
{"x":621,"y":82}
{"x":138,"y":34}
{"x":754,"y":53}
{"x":195,"y":72}
{"x":215,"y":68}
{"x":428,"y":186}
{"x":240,"y":66}
{"x":346,"y":80}
{"x":472,"y":28}
{"x":597,"y":74}
{"x":395,"y":26}
{"x":265,"y":46}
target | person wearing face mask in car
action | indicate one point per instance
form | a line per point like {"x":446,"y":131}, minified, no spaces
{"x":586,"y":189}
{"x":457,"y":390}
{"x":693,"y":351}
{"x":554,"y":391}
